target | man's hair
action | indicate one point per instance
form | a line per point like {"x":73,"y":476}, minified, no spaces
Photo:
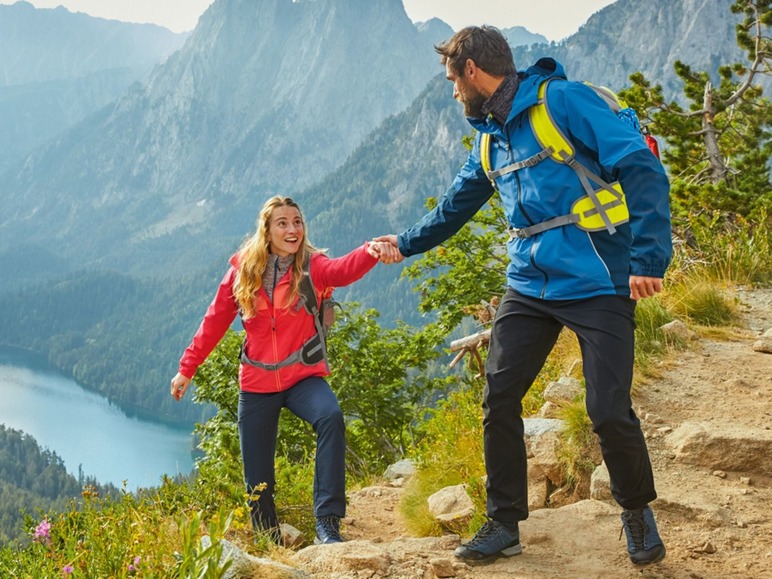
{"x":485,"y":45}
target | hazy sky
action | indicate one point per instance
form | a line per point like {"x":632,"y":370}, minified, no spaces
{"x":540,"y":17}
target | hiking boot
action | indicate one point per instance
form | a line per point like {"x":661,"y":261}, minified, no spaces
{"x":493,"y":540}
{"x":327,"y":530}
{"x":643,"y":543}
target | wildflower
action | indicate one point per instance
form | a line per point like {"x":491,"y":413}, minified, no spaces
{"x":67,"y":570}
{"x":43,"y":532}
{"x":133,"y":567}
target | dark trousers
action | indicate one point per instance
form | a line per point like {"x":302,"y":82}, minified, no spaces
{"x":524,"y":332}
{"x":311,"y":400}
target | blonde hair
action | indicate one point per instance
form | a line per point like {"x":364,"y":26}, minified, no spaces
{"x":253,"y":258}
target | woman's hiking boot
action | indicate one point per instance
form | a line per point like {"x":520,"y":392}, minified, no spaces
{"x":327,"y":530}
{"x":493,"y":540}
{"x":643,"y":542}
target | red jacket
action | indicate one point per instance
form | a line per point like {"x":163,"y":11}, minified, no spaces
{"x":276,"y":331}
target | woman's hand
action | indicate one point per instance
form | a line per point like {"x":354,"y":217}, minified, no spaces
{"x":384,"y":250}
{"x":180,"y":385}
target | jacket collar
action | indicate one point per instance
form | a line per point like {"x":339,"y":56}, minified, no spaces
{"x":527,"y":92}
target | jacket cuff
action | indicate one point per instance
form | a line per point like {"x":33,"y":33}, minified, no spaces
{"x":654,"y":269}
{"x":187,"y":371}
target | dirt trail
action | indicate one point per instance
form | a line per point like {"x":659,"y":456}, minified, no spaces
{"x":714,"y":525}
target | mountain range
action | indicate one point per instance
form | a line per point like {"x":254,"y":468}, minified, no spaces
{"x":343,"y":107}
{"x":56,"y":68}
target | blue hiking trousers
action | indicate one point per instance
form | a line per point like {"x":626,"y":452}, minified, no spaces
{"x":311,"y":400}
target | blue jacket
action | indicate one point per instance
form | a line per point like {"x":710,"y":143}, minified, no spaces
{"x":566,"y":262}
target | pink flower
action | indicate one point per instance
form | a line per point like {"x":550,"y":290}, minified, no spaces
{"x":67,"y":570}
{"x":43,"y":532}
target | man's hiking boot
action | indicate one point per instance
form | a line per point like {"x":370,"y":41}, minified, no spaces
{"x":327,"y":530}
{"x":493,"y":540}
{"x":643,"y":543}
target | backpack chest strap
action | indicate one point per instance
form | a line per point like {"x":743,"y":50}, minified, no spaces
{"x":524,"y":164}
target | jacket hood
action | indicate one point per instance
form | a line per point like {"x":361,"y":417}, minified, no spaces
{"x":527,"y":92}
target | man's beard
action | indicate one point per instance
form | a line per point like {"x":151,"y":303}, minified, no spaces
{"x":473,"y":104}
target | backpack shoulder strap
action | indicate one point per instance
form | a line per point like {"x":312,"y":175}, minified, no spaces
{"x":546,"y":130}
{"x":307,"y":292}
{"x":485,"y":154}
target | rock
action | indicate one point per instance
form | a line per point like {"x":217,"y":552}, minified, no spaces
{"x":544,"y":451}
{"x":402,"y":469}
{"x":539,"y":426}
{"x":732,"y":448}
{"x":442,"y":568}
{"x":678,"y":330}
{"x":245,"y":565}
{"x":763,"y":345}
{"x":564,"y":391}
{"x":451,"y":506}
{"x":352,"y":558}
{"x":600,"y":484}
{"x":549,"y":410}
{"x":538,"y":487}
{"x":291,"y":536}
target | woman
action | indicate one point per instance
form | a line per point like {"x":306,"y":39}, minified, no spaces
{"x":262,"y":285}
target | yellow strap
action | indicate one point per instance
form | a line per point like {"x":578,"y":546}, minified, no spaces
{"x":485,"y":156}
{"x":485,"y":152}
{"x":546,"y":131}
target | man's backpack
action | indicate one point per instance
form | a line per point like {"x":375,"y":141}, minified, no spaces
{"x":604,"y":206}
{"x":314,"y":350}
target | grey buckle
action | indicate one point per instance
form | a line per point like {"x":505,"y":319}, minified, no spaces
{"x":515,"y":232}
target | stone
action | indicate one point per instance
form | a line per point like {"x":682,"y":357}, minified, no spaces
{"x":564,"y":391}
{"x":402,"y":469}
{"x":451,"y":506}
{"x":600,"y":484}
{"x":538,"y":487}
{"x":729,"y":448}
{"x":679,"y":330}
{"x":442,"y":568}
{"x":291,"y":536}
{"x":245,"y":565}
{"x":544,"y":451}
{"x":764,"y":345}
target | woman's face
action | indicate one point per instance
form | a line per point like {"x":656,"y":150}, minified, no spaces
{"x":285,"y":233}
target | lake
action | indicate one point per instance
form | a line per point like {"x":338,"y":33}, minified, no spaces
{"x":85,"y":430}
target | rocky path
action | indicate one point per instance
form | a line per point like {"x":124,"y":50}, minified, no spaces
{"x":708,"y":421}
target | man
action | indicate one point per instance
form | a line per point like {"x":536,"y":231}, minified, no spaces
{"x":561,"y":273}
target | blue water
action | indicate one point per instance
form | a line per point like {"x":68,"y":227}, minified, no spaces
{"x":85,"y":430}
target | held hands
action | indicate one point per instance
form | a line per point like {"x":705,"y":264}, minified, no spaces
{"x":388,"y":251}
{"x":180,"y":385}
{"x":644,"y":287}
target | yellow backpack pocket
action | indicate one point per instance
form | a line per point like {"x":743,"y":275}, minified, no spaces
{"x":613,"y":205}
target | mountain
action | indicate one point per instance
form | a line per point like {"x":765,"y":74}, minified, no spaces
{"x":647,"y":36}
{"x":57,"y":67}
{"x":39,"y":45}
{"x":264,"y":97}
{"x":519,"y":36}
{"x":434,"y":30}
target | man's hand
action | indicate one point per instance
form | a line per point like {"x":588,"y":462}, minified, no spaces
{"x":390,"y":253}
{"x":644,"y":287}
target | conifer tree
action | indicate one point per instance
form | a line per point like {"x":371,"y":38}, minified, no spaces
{"x":718,"y":148}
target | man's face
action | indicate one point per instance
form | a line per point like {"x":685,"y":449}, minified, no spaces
{"x":465,"y":93}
